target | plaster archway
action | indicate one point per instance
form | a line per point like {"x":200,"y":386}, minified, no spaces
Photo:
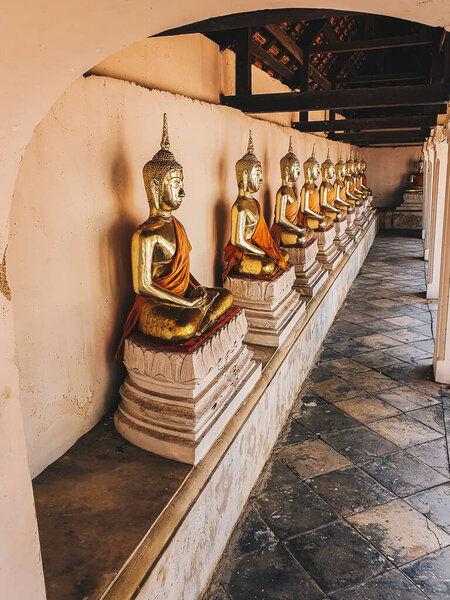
{"x":47,"y":45}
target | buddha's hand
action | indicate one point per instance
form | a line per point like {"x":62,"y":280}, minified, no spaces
{"x":200,"y":296}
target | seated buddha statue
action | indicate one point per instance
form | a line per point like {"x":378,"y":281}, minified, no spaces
{"x":286,"y":229}
{"x":339,"y":188}
{"x":327,"y":194}
{"x":251,"y":250}
{"x":170,"y":305}
{"x":357,"y":191}
{"x":352,"y":197}
{"x":311,"y":214}
{"x":362,"y":166}
{"x":415,"y":180}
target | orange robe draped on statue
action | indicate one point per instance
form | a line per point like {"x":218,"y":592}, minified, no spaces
{"x":176,"y":280}
{"x":261,"y":238}
{"x":291,"y":215}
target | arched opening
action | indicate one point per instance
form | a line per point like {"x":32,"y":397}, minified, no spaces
{"x":106,"y":144}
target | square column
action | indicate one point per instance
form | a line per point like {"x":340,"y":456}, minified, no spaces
{"x":429,"y":152}
{"x":436,"y":211}
{"x":441,"y":358}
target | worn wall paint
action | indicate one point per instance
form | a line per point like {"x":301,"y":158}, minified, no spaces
{"x":387,"y":172}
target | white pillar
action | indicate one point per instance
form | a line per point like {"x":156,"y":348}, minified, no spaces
{"x":427,"y":193}
{"x":440,"y":145}
{"x":441,"y":358}
{"x":21,"y":574}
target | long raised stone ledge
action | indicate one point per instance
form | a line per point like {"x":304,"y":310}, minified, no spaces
{"x":176,"y":557}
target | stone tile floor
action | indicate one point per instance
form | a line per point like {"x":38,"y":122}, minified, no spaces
{"x":354,"y":503}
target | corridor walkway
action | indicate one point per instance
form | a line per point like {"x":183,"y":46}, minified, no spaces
{"x":354,"y":503}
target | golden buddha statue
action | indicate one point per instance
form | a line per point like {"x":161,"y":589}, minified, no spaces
{"x":310,"y":209}
{"x":339,"y":188}
{"x":362,"y":166}
{"x":415,"y":180}
{"x":327,"y":194}
{"x":352,"y":197}
{"x":170,"y":304}
{"x":357,"y":191}
{"x":286,"y":229}
{"x":251,"y":250}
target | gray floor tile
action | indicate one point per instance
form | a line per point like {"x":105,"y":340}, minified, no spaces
{"x":433,"y":454}
{"x":403,"y":474}
{"x":312,"y":458}
{"x":270,"y":574}
{"x":360,"y":445}
{"x":350,"y":490}
{"x":389,"y":586}
{"x":404,"y":431}
{"x":399,"y":531}
{"x":434,"y":504}
{"x":432,"y":574}
{"x":336,"y":556}
{"x":432,"y":417}
{"x":321,"y":419}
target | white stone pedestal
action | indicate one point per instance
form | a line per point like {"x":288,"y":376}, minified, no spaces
{"x":310,"y":274}
{"x":361,"y":216}
{"x":329,"y":254}
{"x":342,"y":240}
{"x":272,"y":307}
{"x":412,"y":201}
{"x":177,"y":403}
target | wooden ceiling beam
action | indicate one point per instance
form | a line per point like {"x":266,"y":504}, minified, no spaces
{"x":270,"y":61}
{"x":291,"y":46}
{"x":368,"y":124}
{"x":376,"y":44}
{"x":257,"y":18}
{"x":342,"y":99}
{"x":382,"y":77}
{"x":380,"y":136}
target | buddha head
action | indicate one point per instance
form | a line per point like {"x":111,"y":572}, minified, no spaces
{"x":163,"y":177}
{"x":362,"y":166}
{"x":419,"y":165}
{"x":340,"y":169}
{"x":327,"y":168}
{"x":249,"y":170}
{"x":290,"y":166}
{"x":311,"y":167}
{"x":349,"y":167}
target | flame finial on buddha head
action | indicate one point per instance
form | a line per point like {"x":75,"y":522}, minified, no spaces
{"x":288,"y":161}
{"x":246,"y":175}
{"x":156,"y":170}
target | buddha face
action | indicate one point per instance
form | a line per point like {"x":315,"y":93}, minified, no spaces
{"x":294,"y":172}
{"x":254,"y":180}
{"x":315,"y":171}
{"x":340,"y":171}
{"x":172,"y":191}
{"x":328,"y":172}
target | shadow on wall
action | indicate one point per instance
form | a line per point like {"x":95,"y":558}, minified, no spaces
{"x":390,"y":180}
{"x":266,"y":196}
{"x":221,"y":222}
{"x":116,"y":247}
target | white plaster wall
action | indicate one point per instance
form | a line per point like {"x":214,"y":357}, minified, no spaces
{"x":388,"y":170}
{"x":191,"y":65}
{"x":78,"y":198}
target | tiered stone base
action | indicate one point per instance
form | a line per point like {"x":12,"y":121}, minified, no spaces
{"x":329,"y":254}
{"x":272,"y":306}
{"x":362,"y":214}
{"x":310,"y":274}
{"x":353,"y":231}
{"x":177,"y":403}
{"x":342,"y":240}
{"x":409,"y":214}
